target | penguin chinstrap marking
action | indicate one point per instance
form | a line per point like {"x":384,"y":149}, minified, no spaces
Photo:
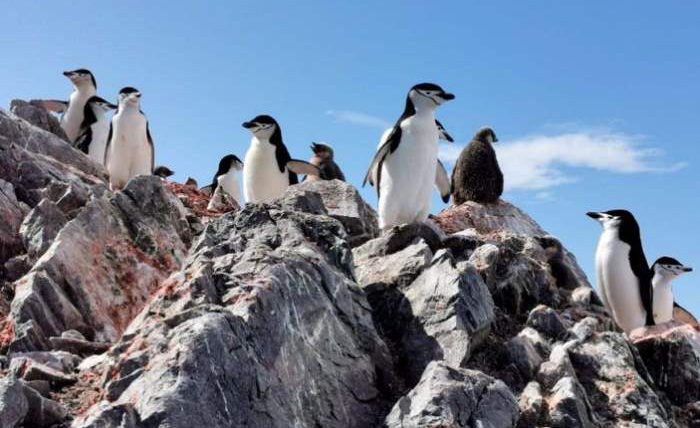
{"x":130,"y":150}
{"x":622,"y":271}
{"x":226,"y":177}
{"x":664,"y":271}
{"x":94,"y":129}
{"x":84,"y":87}
{"x":268,"y":168}
{"x":476,"y":175}
{"x":406,"y":166}
{"x":323,"y":158}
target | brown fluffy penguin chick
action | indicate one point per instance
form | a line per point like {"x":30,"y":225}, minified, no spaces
{"x":476,"y":175}
{"x":323,"y":159}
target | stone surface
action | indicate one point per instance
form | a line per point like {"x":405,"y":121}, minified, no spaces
{"x":40,"y":227}
{"x":450,"y":397}
{"x":11,"y":214}
{"x":13,"y":402}
{"x":42,"y":412}
{"x":35,"y":113}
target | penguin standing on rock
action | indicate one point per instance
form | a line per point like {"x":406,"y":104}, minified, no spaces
{"x":225,"y":177}
{"x":268,"y":168}
{"x":622,"y":270}
{"x":323,"y":159}
{"x":94,"y":129}
{"x":476,"y":175}
{"x":84,"y":87}
{"x":130,"y":149}
{"x":664,"y":271}
{"x":406,"y":166}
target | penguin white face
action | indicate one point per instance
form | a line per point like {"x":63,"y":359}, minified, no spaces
{"x":129,"y":97}
{"x":321,"y":150}
{"x":81,"y":77}
{"x":608,"y":219}
{"x":670,"y":268}
{"x":263,"y":127}
{"x":429,"y":95}
{"x":101,"y":104}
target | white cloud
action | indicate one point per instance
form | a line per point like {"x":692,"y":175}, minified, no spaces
{"x":358,"y":118}
{"x":545,"y":161}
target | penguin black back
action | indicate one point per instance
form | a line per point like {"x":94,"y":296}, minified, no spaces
{"x":476,"y":175}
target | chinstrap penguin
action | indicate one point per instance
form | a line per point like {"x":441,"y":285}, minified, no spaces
{"x":268,"y":168}
{"x":444,"y":135}
{"x":476,"y":175}
{"x":664,"y":271}
{"x":94,"y":129}
{"x":84,"y":87}
{"x":622,"y":270}
{"x":406,"y":166}
{"x":163,"y":171}
{"x":323,"y":159}
{"x":130,"y":149}
{"x":226,"y":177}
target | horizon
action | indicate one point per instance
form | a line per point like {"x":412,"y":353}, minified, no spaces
{"x":594,"y":105}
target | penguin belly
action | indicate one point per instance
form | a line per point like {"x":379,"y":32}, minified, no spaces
{"x":74,"y":115}
{"x":262,"y":179}
{"x":130,"y":153}
{"x":408,"y":175}
{"x":663,"y":303}
{"x":229,"y":183}
{"x":96,"y":150}
{"x":619,"y":283}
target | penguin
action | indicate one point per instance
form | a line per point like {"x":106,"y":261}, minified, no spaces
{"x":323,"y":159}
{"x":268,"y":168}
{"x":73,"y":110}
{"x":443,"y":133}
{"x":622,"y":270}
{"x":476,"y":175}
{"x":163,"y":172}
{"x":664,"y":271}
{"x":406,"y":166}
{"x":130,"y":149}
{"x":225,"y":177}
{"x":94,"y":129}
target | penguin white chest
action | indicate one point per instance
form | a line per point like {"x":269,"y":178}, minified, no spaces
{"x":663,"y":301}
{"x":262,"y":178}
{"x":100,"y":130}
{"x":618,"y":282}
{"x":229,"y":182}
{"x":408,"y":174}
{"x":130,"y":153}
{"x":73,"y":117}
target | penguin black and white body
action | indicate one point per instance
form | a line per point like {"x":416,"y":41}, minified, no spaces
{"x":94,"y":129}
{"x":163,"y":171}
{"x":323,"y":159}
{"x":268,"y":168}
{"x":622,"y":270}
{"x":84,"y":87}
{"x":664,"y":271}
{"x":226,"y":177}
{"x":476,"y":175}
{"x":406,"y":166}
{"x":443,"y":133}
{"x":130,"y":149}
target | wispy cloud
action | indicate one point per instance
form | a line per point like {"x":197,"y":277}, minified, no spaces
{"x":358,"y":118}
{"x":542,"y":162}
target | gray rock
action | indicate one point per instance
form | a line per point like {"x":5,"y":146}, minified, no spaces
{"x":567,"y":405}
{"x":11,"y":214}
{"x":35,"y":113}
{"x":523,"y":355}
{"x":451,"y":397}
{"x":40,"y":227}
{"x":29,"y":370}
{"x":105,"y":415}
{"x":13,"y":402}
{"x":16,"y":267}
{"x":42,"y":412}
{"x":531,"y":404}
{"x":547,"y":321}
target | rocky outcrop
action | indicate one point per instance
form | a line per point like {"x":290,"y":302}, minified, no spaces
{"x":153,"y":307}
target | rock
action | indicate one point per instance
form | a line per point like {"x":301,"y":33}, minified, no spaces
{"x":40,"y":227}
{"x":109,"y":415}
{"x":531,"y":405}
{"x":547,"y":321}
{"x":13,"y":402}
{"x":28,"y":370}
{"x":57,"y":360}
{"x":78,"y":346}
{"x":450,"y":397}
{"x":35,"y":113}
{"x":672,"y":358}
{"x":11,"y":214}
{"x":42,"y":411}
{"x":222,"y":202}
{"x":523,"y":355}
{"x":343,"y":202}
{"x":567,"y":406}
{"x":16,"y":267}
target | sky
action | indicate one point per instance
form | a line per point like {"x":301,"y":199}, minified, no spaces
{"x":595,"y":103}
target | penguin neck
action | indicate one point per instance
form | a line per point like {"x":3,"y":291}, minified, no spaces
{"x":661,"y":282}
{"x":83,"y":91}
{"x":129,"y":109}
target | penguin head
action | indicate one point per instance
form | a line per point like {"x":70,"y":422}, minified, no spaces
{"x":100,"y":103}
{"x":428,"y":95}
{"x":129,"y":96}
{"x":163,"y":171}
{"x":229,"y":162}
{"x":614,"y":218}
{"x":81,"y":78}
{"x":486,"y":135}
{"x":669,"y":267}
{"x":262,"y":126}
{"x":443,"y":135}
{"x":323,"y":151}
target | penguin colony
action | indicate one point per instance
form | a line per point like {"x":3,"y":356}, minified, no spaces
{"x":403,"y":171}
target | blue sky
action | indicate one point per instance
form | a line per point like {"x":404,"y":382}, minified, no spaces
{"x":595,"y":103}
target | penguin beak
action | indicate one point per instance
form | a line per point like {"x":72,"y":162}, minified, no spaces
{"x":594,"y":215}
{"x":447,"y":96}
{"x":495,"y":139}
{"x":448,"y":137}
{"x":69,"y":74}
{"x":687,"y":269}
{"x":248,"y":125}
{"x":110,"y":106}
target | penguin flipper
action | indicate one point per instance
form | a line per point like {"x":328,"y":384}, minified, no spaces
{"x":390,"y":144}
{"x":109,"y":142}
{"x":681,"y":314}
{"x":302,"y":167}
{"x":56,"y":106}
{"x":443,"y":182}
{"x":150,"y":142}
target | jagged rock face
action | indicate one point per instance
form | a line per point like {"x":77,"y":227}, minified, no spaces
{"x":34,"y":113}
